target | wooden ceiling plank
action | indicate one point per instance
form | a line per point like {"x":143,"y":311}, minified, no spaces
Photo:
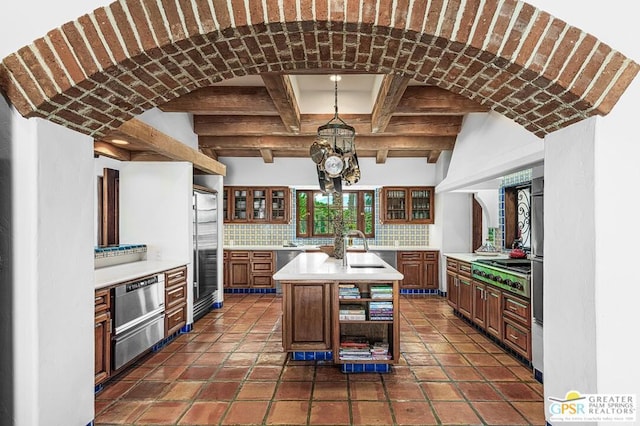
{"x":267,"y":155}
{"x":381,"y":156}
{"x":302,"y":143}
{"x":224,"y":100}
{"x":284,"y":98}
{"x":209,"y":125}
{"x":390,"y":93}
{"x":148,"y":156}
{"x":163,"y":144}
{"x":110,"y":150}
{"x":422,"y":100}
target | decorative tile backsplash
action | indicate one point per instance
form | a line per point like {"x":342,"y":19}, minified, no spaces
{"x":117,"y":255}
{"x":386,"y":235}
{"x":514,"y":179}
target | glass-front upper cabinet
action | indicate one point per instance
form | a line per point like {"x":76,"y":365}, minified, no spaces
{"x":407,"y":205}
{"x":257,"y":204}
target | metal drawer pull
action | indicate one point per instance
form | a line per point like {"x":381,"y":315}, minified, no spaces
{"x":517,"y":304}
{"x":513,"y":337}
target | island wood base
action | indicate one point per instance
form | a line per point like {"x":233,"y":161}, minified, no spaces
{"x":312,"y":323}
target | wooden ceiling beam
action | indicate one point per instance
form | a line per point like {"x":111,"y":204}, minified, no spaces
{"x":224,"y":100}
{"x":381,"y":156}
{"x":421,"y":100}
{"x":284,"y":98}
{"x":300,"y":143}
{"x":210,"y":125}
{"x":153,"y":140}
{"x":390,"y":93}
{"x":209,"y":152}
{"x":148,"y":156}
{"x":267,"y":155}
{"x":110,"y":150}
{"x":433,"y":156}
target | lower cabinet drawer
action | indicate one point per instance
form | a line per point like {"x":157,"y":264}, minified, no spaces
{"x":261,"y":281}
{"x":430,"y":255}
{"x":519,"y":309}
{"x":175,"y":295}
{"x":175,"y":319}
{"x":517,"y":338}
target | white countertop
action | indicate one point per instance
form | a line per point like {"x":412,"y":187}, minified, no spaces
{"x":315,"y":247}
{"x":319,"y":266}
{"x":472,"y":257}
{"x":110,"y":275}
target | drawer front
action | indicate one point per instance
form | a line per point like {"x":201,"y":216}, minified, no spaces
{"x":175,"y":295}
{"x":175,"y":276}
{"x":239,"y":255}
{"x":430,"y":255}
{"x":175,"y":319}
{"x":102,"y":300}
{"x":409,"y":255}
{"x":263,"y":267}
{"x":452,"y":265}
{"x":262,"y":255}
{"x":263,"y":281}
{"x":517,"y":309}
{"x":464,"y":268}
{"x":517,"y":338}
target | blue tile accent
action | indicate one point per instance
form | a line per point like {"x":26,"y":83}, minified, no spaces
{"x":91,"y":423}
{"x":538,"y":375}
{"x":311,"y":356}
{"x":250,"y":290}
{"x":164,"y":342}
{"x":422,"y":291}
{"x":365,"y":368}
{"x":98,"y":388}
{"x":217,"y":305}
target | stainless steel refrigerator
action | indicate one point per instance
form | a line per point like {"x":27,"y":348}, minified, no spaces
{"x":205,"y":250}
{"x":537,"y":266}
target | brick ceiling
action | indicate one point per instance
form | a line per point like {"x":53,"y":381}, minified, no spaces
{"x":98,"y":72}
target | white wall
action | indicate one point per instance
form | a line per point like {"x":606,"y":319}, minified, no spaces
{"x":489,"y":146}
{"x":302,"y":172}
{"x":53,"y":264}
{"x":156,"y":210}
{"x":178,"y":125}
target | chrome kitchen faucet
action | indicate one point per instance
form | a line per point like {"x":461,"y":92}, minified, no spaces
{"x":357,"y":233}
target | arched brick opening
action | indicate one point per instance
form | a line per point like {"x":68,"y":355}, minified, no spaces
{"x":101,"y":70}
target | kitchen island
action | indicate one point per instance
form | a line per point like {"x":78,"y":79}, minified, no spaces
{"x":348,"y":314}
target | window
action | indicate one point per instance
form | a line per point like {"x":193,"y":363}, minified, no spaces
{"x":315,"y":213}
{"x":517,"y":200}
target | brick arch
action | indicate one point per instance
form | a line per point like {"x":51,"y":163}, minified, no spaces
{"x":101,"y":70}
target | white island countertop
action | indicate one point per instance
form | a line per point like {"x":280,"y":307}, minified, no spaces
{"x":110,"y":275}
{"x":319,"y":266}
{"x":472,"y":257}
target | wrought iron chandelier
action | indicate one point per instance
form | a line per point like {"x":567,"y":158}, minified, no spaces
{"x":334,"y":152}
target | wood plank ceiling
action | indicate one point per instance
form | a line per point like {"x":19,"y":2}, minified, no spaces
{"x":406,"y":120}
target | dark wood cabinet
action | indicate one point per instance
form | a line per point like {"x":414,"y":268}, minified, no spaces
{"x":493,"y":315}
{"x":452,"y":283}
{"x":407,"y":205}
{"x":257,"y":204}
{"x":420,"y":269}
{"x":465,"y":296}
{"x":102,"y":335}
{"x":306,"y":316}
{"x":248,"y":269}
{"x":479,"y":312}
{"x":516,"y":324}
{"x":175,"y":300}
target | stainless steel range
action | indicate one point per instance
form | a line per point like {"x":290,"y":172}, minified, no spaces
{"x":513,"y":275}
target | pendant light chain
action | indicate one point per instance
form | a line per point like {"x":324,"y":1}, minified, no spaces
{"x":336,"y":98}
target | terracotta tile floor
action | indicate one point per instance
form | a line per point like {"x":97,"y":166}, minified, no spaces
{"x":231,"y":370}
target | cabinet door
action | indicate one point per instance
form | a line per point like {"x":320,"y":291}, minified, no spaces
{"x":239,"y":273}
{"x":431,"y":270}
{"x":240,"y":204}
{"x":465,"y":296}
{"x":479,"y":305}
{"x":225,"y":269}
{"x":279,"y":205}
{"x":102,"y":335}
{"x":421,"y":205}
{"x":394,"y":205}
{"x":258,"y":201}
{"x":306,"y":316}
{"x":410,"y":265}
{"x":493,"y":316}
{"x":452,"y":290}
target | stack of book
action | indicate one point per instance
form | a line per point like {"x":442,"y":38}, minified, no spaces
{"x":380,"y":350}
{"x":381,"y":311}
{"x":355,"y":348}
{"x":352,"y":313}
{"x":348,"y":291}
{"x":381,"y":292}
